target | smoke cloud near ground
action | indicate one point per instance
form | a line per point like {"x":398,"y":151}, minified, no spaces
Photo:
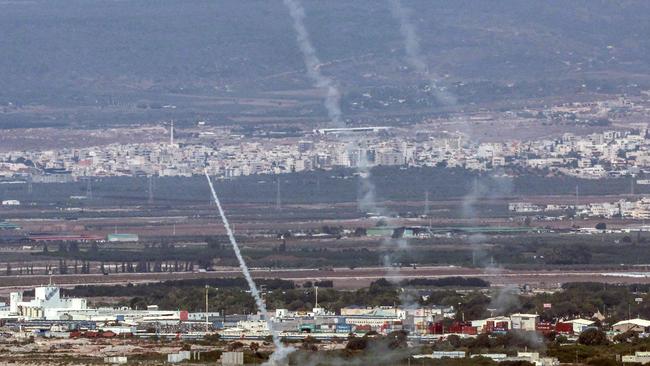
{"x":380,"y":353}
{"x":414,"y":53}
{"x":505,"y":300}
{"x":333,"y":94}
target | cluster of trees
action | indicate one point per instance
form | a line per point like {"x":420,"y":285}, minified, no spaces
{"x":505,"y":342}
{"x":64,"y":268}
{"x":446,"y":282}
{"x":569,"y":254}
{"x":227,"y":292}
{"x":320,"y":284}
{"x":542,"y":250}
{"x":147,"y":288}
{"x":22,"y":269}
{"x":163,"y":252}
{"x":391,"y":341}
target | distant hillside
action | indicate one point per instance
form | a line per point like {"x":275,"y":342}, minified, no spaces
{"x":72,"y":53}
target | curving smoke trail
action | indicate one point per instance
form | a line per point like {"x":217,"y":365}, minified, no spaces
{"x":413,"y":51}
{"x":281,"y":352}
{"x":367,"y":200}
{"x":333,"y":96}
{"x":332,"y":101}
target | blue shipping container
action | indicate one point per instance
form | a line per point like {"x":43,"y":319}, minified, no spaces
{"x":343,"y":328}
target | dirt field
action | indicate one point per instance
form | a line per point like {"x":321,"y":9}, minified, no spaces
{"x":346,"y":278}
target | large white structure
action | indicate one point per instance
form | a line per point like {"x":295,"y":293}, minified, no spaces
{"x":580,"y":325}
{"x":46,"y":304}
{"x":524,"y":321}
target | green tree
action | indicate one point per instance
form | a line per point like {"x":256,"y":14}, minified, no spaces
{"x":593,"y":337}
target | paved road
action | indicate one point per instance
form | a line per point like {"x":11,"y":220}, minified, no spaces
{"x":343,"y":277}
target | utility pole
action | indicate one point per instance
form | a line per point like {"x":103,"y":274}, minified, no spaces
{"x":426,"y":203}
{"x":89,"y":188}
{"x":150,"y":190}
{"x":207,"y":317}
{"x":629,"y":311}
{"x":316,"y":287}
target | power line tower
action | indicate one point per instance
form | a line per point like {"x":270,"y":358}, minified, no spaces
{"x":89,"y":188}
{"x":150,"y":189}
{"x":426,"y":203}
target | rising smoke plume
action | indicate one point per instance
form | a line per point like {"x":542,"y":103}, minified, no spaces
{"x":414,"y":53}
{"x":367,"y":200}
{"x":281,"y":352}
{"x":313,"y":64}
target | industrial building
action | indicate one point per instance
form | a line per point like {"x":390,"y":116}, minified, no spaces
{"x":46,"y":304}
{"x":122,"y":238}
{"x":5,"y":225}
{"x":328,"y":131}
{"x":636,"y":325}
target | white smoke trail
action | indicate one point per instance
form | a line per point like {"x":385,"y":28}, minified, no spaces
{"x":279,"y":356}
{"x":333,"y":96}
{"x":414,"y":53}
{"x":332,"y":101}
{"x":367,"y":199}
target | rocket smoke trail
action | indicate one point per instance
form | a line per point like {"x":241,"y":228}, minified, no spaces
{"x":333,"y":96}
{"x":413,"y":51}
{"x":367,"y":200}
{"x":281,"y":351}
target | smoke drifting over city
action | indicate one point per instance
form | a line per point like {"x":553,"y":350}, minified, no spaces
{"x":313,"y":64}
{"x":414,"y":53}
{"x":389,"y":182}
{"x":367,"y":200}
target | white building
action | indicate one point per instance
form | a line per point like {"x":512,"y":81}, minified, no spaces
{"x":46,"y":304}
{"x":526,"y":322}
{"x":579,"y":325}
{"x":638,"y":357}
